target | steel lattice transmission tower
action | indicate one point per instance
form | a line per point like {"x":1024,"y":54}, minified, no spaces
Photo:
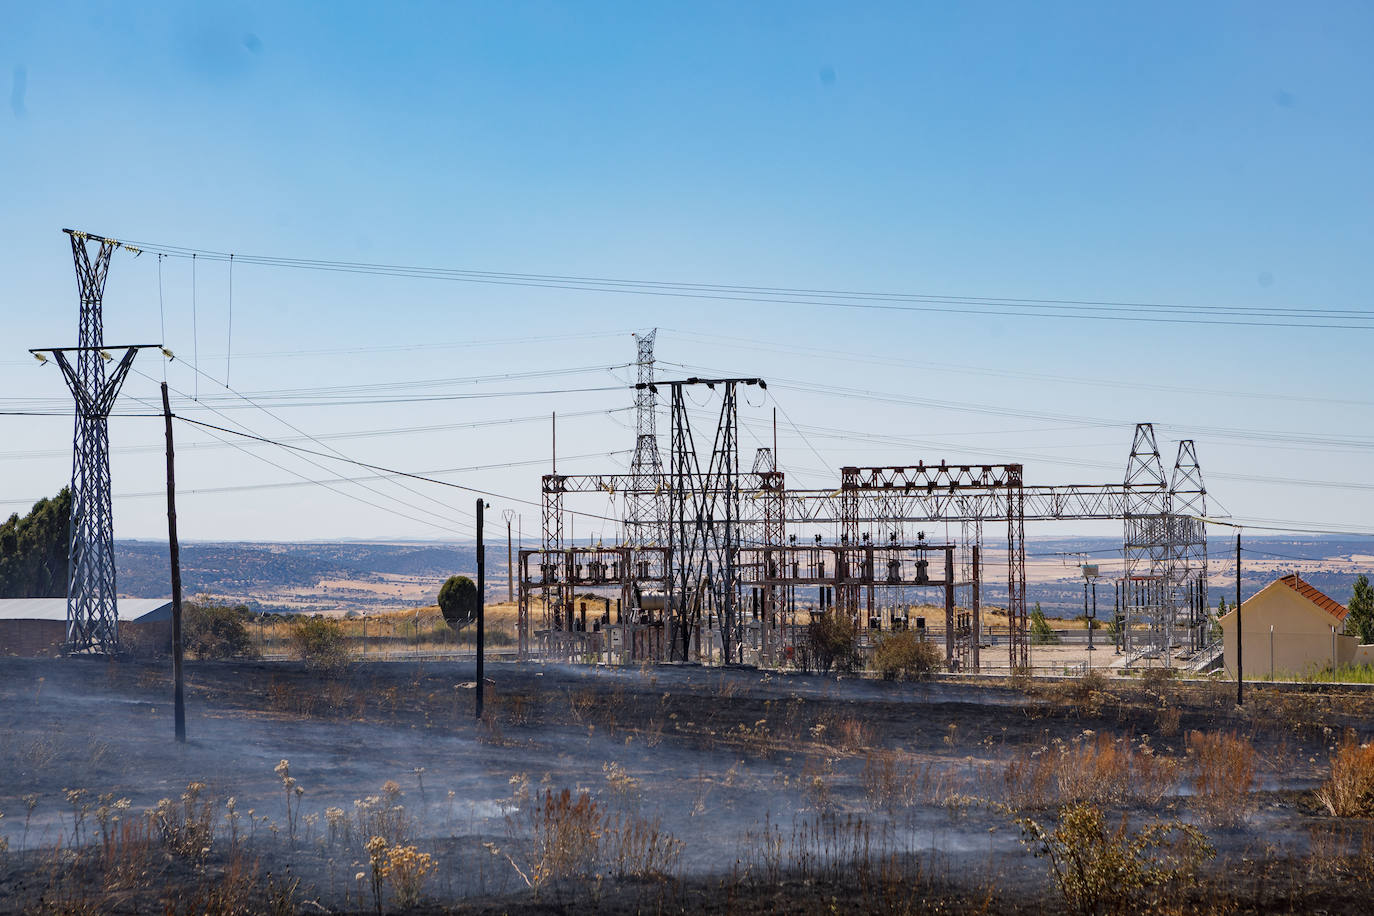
{"x":92,"y":616}
{"x":1188,"y":506}
{"x":646,"y":506}
{"x":1146,"y":585}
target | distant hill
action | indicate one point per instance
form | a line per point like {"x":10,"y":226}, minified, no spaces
{"x":374,"y":576}
{"x":298,"y":576}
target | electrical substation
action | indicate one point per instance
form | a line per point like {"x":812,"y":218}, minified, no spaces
{"x":727,"y":566}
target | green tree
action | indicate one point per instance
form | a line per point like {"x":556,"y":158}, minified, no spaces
{"x":1222,"y":609}
{"x":1361,"y":618}
{"x":33,"y":550}
{"x":1041,"y":632}
{"x":458,"y":601}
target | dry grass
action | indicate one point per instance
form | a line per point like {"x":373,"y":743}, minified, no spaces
{"x":1349,"y":792}
{"x":894,"y":780}
{"x":562,"y":835}
{"x":1094,"y":767}
{"x":1223,"y":773}
{"x":1087,"y":694}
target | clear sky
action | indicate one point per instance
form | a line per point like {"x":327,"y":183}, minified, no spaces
{"x":1203,"y":155}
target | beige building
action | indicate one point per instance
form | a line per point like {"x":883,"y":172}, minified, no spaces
{"x":1290,"y":628}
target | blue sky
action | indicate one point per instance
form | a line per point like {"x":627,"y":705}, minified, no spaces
{"x":1211,"y":155}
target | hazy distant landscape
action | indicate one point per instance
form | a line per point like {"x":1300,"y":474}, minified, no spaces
{"x":357,"y":576}
{"x":305,"y":577}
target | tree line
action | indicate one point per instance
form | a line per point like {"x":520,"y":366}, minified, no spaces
{"x":33,"y":550}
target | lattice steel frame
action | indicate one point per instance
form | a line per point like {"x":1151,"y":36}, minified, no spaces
{"x":1149,"y":577}
{"x":92,"y":612}
{"x":971,"y":494}
{"x":646,"y":502}
{"x":924,"y":493}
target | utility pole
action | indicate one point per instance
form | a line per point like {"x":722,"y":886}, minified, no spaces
{"x":1240,"y":656}
{"x":174,"y":551}
{"x":1092,"y":621}
{"x":481,"y":604}
{"x":509,"y":515}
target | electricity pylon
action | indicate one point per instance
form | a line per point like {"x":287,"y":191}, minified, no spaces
{"x":92,"y":615}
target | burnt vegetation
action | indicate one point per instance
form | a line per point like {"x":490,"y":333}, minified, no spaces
{"x":674,"y":789}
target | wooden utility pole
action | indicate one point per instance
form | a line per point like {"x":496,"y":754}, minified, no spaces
{"x":1240,"y":656}
{"x":481,"y":605}
{"x":509,"y":514}
{"x":178,"y":689}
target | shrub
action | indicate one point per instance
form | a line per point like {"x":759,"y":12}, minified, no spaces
{"x":1350,"y":790}
{"x":458,"y":601}
{"x":212,"y":630}
{"x":903,"y":654}
{"x":1099,"y":869}
{"x":1040,"y":631}
{"x":320,"y":643}
{"x":834,"y":639}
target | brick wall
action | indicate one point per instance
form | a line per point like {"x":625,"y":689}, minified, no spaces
{"x":44,"y":638}
{"x":32,"y":638}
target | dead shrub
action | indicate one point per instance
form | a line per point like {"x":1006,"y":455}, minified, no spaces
{"x":1100,"y":869}
{"x":904,"y":655}
{"x":833,"y":639}
{"x":1341,"y":850}
{"x":126,"y":853}
{"x":560,"y":836}
{"x":320,"y":643}
{"x":852,"y":734}
{"x":754,"y":740}
{"x":382,"y":815}
{"x":1158,"y":680}
{"x":638,"y":847}
{"x":562,"y":840}
{"x":1098,"y":768}
{"x":188,"y":828}
{"x":1086,"y":694}
{"x":1167,"y":720}
{"x":1223,"y":772}
{"x":882,"y":780}
{"x":1350,"y":790}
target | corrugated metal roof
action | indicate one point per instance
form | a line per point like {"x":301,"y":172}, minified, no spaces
{"x":130,"y":609}
{"x":1316,"y":596}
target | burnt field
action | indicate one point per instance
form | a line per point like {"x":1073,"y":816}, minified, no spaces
{"x":671,"y":789}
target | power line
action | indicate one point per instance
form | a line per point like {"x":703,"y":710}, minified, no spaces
{"x":328,"y":485}
{"x":301,"y":432}
{"x":1081,"y":309}
{"x":388,"y":471}
{"x":1285,"y":528}
{"x":364,"y":486}
{"x":289,"y":484}
{"x":206,"y":404}
{"x":360,"y":434}
{"x":1310,"y":440}
{"x":867,"y":359}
